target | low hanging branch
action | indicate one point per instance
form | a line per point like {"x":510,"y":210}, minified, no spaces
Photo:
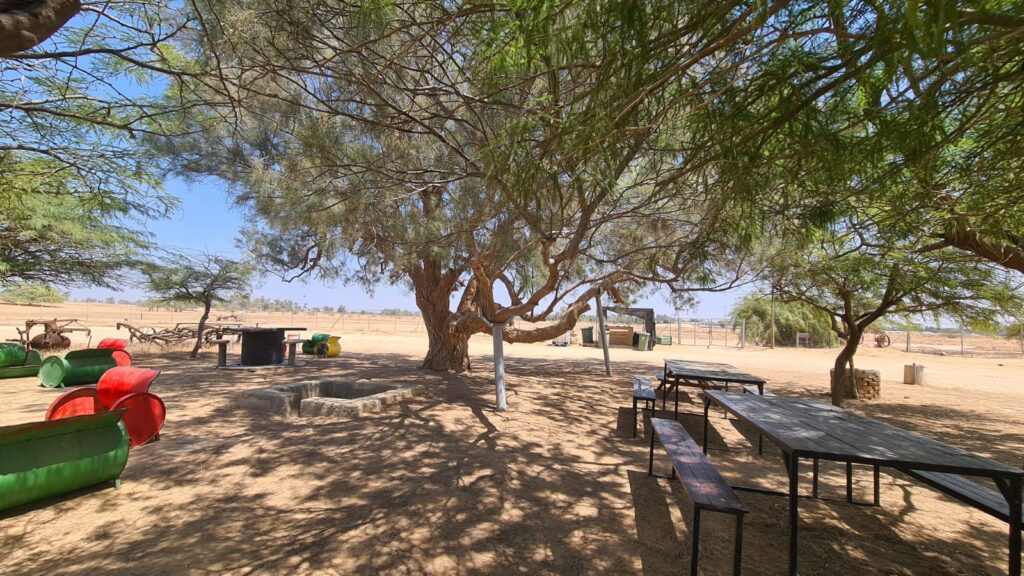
{"x":26,"y":23}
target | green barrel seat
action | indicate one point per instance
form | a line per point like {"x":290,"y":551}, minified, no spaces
{"x":45,"y":459}
{"x":309,"y":346}
{"x":80,"y":367}
{"x":16,"y":362}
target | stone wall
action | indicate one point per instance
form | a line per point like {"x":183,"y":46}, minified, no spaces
{"x":868,"y":382}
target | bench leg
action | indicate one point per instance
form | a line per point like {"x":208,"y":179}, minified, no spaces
{"x":760,"y":444}
{"x":814,"y":479}
{"x":695,"y":546}
{"x":737,"y":560}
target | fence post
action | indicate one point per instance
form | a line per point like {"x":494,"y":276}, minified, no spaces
{"x":908,"y":340}
{"x":961,"y":339}
{"x":743,"y":333}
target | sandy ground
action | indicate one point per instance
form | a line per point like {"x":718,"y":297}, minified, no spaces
{"x":443,"y":484}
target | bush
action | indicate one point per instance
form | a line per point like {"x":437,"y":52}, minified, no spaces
{"x":790,"y":318}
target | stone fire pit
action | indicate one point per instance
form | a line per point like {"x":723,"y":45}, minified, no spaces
{"x":345,"y":397}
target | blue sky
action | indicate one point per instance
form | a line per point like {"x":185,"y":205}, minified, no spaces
{"x":208,"y":221}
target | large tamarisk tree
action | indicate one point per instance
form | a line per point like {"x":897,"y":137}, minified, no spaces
{"x":507,"y":160}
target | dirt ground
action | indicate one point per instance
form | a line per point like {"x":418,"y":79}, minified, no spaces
{"x":443,"y":484}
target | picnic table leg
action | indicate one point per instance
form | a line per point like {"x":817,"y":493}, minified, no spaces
{"x":849,"y":482}
{"x":677,"y":401}
{"x":877,"y":493}
{"x":695,"y":545}
{"x":707,"y":406}
{"x":793,"y":465}
{"x":1011,"y":490}
{"x":814,"y":479}
{"x":737,"y":559}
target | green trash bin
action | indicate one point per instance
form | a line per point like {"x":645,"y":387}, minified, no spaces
{"x":588,"y":334}
{"x":643,"y":342}
{"x":664,"y":340}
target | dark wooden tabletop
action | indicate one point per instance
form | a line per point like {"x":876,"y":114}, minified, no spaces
{"x":811,"y":429}
{"x":709,"y":371}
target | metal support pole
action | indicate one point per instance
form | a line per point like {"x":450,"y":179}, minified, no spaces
{"x":499,"y":367}
{"x":743,"y":333}
{"x":602,"y":336}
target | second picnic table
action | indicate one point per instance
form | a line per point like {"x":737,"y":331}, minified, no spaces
{"x":814,"y":430}
{"x":703,"y":375}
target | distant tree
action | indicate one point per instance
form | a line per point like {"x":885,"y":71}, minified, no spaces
{"x":341,"y":309}
{"x":857,"y":273}
{"x":24,"y":292}
{"x":790,"y":318}
{"x":200,"y":279}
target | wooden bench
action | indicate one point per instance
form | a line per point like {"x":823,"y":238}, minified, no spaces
{"x":222,"y":351}
{"x":702,"y":481}
{"x":643,"y":390}
{"x":291,"y":342}
{"x":966,"y":491}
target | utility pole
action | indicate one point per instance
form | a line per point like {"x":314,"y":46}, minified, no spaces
{"x":771,"y":336}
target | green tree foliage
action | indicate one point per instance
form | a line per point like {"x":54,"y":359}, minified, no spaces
{"x":790,"y":318}
{"x":72,"y":179}
{"x":28,"y":293}
{"x":196,"y":279}
{"x":50,"y":235}
{"x":912,"y":104}
{"x":503,"y":160}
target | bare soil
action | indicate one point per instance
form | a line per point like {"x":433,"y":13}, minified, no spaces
{"x":443,"y":484}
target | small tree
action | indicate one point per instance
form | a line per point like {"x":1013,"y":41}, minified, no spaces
{"x":791,"y":318}
{"x":200,"y":280}
{"x":858,"y":273}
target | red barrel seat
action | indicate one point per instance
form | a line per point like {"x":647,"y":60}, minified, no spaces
{"x":119,"y":382}
{"x":78,"y":402}
{"x":115,"y":343}
{"x":121,"y":387}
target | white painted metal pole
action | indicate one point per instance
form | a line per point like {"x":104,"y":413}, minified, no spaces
{"x":499,"y":367}
{"x":603,"y":337}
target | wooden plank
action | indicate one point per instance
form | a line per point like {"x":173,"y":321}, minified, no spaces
{"x":705,"y":485}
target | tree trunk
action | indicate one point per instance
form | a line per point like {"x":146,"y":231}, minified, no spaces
{"x":842,"y":370}
{"x":448,"y":347}
{"x":202,"y":326}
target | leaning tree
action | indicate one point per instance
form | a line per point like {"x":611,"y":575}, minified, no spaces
{"x":202,"y":279}
{"x":501,"y":162}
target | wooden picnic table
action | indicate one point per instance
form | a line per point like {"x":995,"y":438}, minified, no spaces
{"x":703,"y":375}
{"x":809,"y":429}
